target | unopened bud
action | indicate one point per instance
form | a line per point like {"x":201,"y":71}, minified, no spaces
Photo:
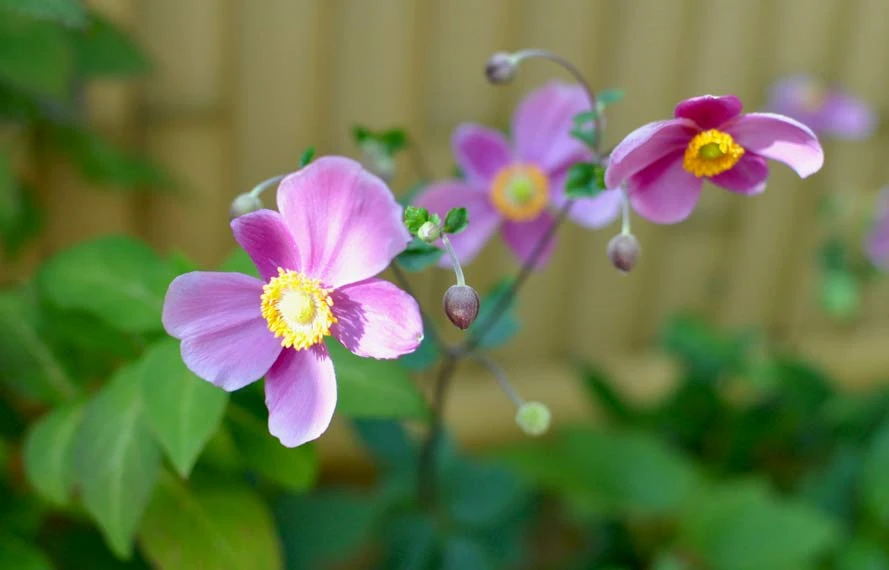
{"x":244,"y":204}
{"x":429,"y":232}
{"x":461,"y":304}
{"x":501,"y":68}
{"x":533,"y":418}
{"x":623,"y":251}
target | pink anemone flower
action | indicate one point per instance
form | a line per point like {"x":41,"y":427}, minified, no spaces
{"x":511,"y":187}
{"x":337,"y":228}
{"x":827,"y":110}
{"x":663,"y":164}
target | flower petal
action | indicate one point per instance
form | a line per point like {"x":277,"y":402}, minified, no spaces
{"x":748,"y":176}
{"x":300,"y":393}
{"x":440,"y":197}
{"x":542,"y":125}
{"x":709,"y":111}
{"x":217,"y":316}
{"x":376,"y":319}
{"x":847,"y":117}
{"x":595,"y":212}
{"x":779,"y":138}
{"x":645,"y":146}
{"x":523,"y":238}
{"x":266,"y":239}
{"x":665,"y":193}
{"x":345,"y":222}
{"x":480,"y":152}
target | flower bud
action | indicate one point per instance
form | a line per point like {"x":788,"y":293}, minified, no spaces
{"x":244,"y":204}
{"x":461,"y":304}
{"x":500,"y":68}
{"x":623,"y":251}
{"x":533,"y":418}
{"x":429,"y":232}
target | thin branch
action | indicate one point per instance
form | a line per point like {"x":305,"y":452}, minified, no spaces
{"x":428,"y":469}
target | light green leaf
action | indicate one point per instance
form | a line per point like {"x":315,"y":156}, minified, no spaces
{"x":35,"y":56}
{"x":30,"y":366}
{"x":49,"y":453}
{"x":874,"y":490}
{"x":183,"y":410}
{"x":370,"y":388}
{"x":861,"y":554}
{"x":742,"y":527}
{"x":18,"y":554}
{"x":67,"y":12}
{"x":419,"y":255}
{"x":116,"y":459}
{"x":294,"y":468}
{"x":220,"y":527}
{"x":116,"y":278}
{"x":102,"y":50}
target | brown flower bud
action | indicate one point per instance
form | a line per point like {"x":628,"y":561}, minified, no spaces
{"x":623,"y":251}
{"x":500,"y":68}
{"x":461,"y":304}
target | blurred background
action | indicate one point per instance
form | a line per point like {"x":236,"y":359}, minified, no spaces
{"x":237,"y":90}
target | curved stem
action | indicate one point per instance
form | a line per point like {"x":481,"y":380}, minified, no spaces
{"x":458,"y":269}
{"x":266,"y":184}
{"x":500,"y":375}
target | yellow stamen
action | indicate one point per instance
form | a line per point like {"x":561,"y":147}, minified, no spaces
{"x":297,"y":309}
{"x":520,"y":192}
{"x":711,"y":152}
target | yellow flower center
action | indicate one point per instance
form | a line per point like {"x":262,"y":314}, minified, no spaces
{"x":297,"y":309}
{"x":711,"y":152}
{"x":520,"y":192}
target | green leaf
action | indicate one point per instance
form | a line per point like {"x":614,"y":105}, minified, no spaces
{"x":183,"y":410}
{"x":415,"y":217}
{"x":585,"y":118}
{"x":464,"y":553}
{"x":370,"y":388}
{"x":239,"y":262}
{"x":419,"y":255}
{"x":19,"y":554}
{"x":861,"y":554}
{"x":623,"y":473}
{"x":103,"y":50}
{"x":116,"y":278}
{"x":49,"y":453}
{"x":456,"y":220}
{"x":116,"y":459}
{"x":742,"y":527}
{"x":219,"y":527}
{"x":388,"y":442}
{"x":425,"y":355}
{"x":585,"y":180}
{"x":31,"y":366}
{"x":306,"y":157}
{"x":507,"y":324}
{"x":180,"y":263}
{"x":20,"y":217}
{"x":35,"y":56}
{"x":585,"y":135}
{"x":873,"y":489}
{"x":67,"y":12}
{"x":481,"y":495}
{"x":602,"y":392}
{"x":393,"y":140}
{"x":706,"y":351}
{"x":609,"y":96}
{"x":324,"y":528}
{"x":101,"y":162}
{"x":361,"y":134}
{"x":292,"y":468}
{"x":840,"y":294}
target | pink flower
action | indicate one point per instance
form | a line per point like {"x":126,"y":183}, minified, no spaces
{"x":337,"y":228}
{"x":826,"y":110}
{"x":876,"y":243}
{"x":663,"y":164}
{"x":511,"y":187}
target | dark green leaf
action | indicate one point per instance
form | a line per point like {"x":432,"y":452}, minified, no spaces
{"x":873,"y":488}
{"x":20,"y":217}
{"x":116,"y":459}
{"x":67,"y":12}
{"x":604,"y":395}
{"x":49,"y":453}
{"x":861,"y":554}
{"x":480,"y":495}
{"x":426,"y":354}
{"x":387,"y":441}
{"x":116,"y":278}
{"x":324,"y":528}
{"x":412,"y":543}
{"x":219,"y":527}
{"x":306,"y":157}
{"x":507,"y":324}
{"x":35,"y":56}
{"x":19,"y":554}
{"x":609,"y":96}
{"x":292,"y":468}
{"x":361,"y":134}
{"x":183,"y":410}
{"x":456,"y":220}
{"x":103,"y":50}
{"x":415,"y":217}
{"x":370,"y":388}
{"x":706,"y":351}
{"x":103,"y":163}
{"x":585,"y":180}
{"x":180,"y":263}
{"x":393,"y":140}
{"x":464,"y":553}
{"x":419,"y":255}
{"x":586,"y":135}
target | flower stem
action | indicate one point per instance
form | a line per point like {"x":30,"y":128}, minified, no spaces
{"x":427,"y":472}
{"x":500,"y":375}
{"x":266,"y":184}
{"x":458,"y":269}
{"x":625,"y":212}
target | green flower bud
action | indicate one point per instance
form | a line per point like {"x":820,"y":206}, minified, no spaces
{"x":501,"y":68}
{"x":623,"y":251}
{"x":533,"y":418}
{"x":461,"y":305}
{"x":429,"y":232}
{"x":244,"y":204}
